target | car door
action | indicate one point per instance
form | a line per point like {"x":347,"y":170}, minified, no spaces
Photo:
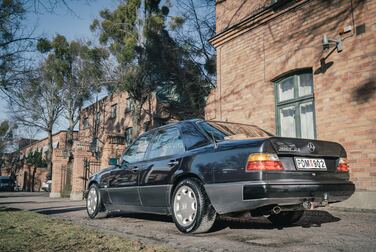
{"x":164,"y":158}
{"x":122,"y":185}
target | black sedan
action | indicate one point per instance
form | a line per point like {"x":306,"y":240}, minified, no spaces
{"x":7,"y":184}
{"x":196,"y":170}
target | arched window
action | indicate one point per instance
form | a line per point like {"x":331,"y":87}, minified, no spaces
{"x":295,"y":108}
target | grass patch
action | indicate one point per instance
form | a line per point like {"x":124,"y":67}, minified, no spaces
{"x":28,"y":231}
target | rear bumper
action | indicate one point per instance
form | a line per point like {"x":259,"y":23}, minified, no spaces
{"x":243,"y":196}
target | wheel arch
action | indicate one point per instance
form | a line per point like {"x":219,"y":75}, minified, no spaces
{"x":180,"y":177}
{"x":91,"y":183}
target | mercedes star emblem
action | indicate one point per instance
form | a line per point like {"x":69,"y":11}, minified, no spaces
{"x":311,"y":147}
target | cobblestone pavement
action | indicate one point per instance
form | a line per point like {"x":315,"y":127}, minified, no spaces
{"x":319,"y":230}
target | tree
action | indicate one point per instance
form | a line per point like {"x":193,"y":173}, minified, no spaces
{"x":192,"y":28}
{"x":37,"y":103}
{"x":35,"y":159}
{"x":15,"y":41}
{"x":150,"y":59}
{"x":5,"y":135}
{"x":78,"y":69}
{"x":134,"y":33}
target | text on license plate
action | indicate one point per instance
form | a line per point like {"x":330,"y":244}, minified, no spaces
{"x":310,"y":163}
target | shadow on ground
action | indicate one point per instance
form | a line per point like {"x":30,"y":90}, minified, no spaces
{"x":140,"y":216}
{"x":48,"y":211}
{"x":23,"y":194}
{"x":313,"y":218}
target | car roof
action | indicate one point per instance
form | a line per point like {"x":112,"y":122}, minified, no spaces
{"x":194,"y":121}
{"x":178,"y":123}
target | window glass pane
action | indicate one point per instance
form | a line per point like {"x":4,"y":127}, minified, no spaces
{"x":167,"y":142}
{"x":305,"y":84}
{"x":306,"y":120}
{"x":286,"y":89}
{"x":287,"y":121}
{"x":192,"y":137}
{"x":113,"y":111}
{"x":212,"y":131}
{"x":136,"y":151}
{"x":86,"y":123}
{"x":128,"y":135}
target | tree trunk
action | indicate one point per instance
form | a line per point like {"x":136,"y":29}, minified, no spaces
{"x":49,"y":154}
{"x":70,"y":135}
{"x":136,"y":119}
{"x":33,"y":179}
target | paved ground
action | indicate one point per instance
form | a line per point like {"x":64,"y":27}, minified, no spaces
{"x":323,"y":230}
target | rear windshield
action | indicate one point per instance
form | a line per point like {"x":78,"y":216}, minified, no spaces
{"x":232,"y":131}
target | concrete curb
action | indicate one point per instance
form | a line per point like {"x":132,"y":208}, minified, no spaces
{"x":76,"y":196}
{"x":360,"y":200}
{"x":55,"y":195}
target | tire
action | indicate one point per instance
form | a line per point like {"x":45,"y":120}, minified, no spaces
{"x":285,"y":218}
{"x":94,"y":205}
{"x":189,"y":195}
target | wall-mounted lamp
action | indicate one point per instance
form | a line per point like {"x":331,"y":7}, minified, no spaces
{"x":327,"y":42}
{"x":338,"y":41}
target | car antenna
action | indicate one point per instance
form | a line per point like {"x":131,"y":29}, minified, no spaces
{"x":214,"y":140}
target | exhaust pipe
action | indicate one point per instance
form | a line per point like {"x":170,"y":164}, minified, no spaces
{"x":307,"y":205}
{"x":276,"y":210}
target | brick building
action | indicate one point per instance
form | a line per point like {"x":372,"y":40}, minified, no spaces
{"x":104,"y":132}
{"x":28,"y":176}
{"x":274,"y":71}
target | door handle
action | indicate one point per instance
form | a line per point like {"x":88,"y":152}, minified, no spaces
{"x":173,"y":162}
{"x":135,"y":168}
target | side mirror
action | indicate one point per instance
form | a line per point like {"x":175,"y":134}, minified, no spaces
{"x":113,"y":161}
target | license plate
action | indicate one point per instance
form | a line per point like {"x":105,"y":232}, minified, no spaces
{"x":310,"y":163}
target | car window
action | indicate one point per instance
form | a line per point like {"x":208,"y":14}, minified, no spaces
{"x":193,"y":138}
{"x":136,"y":151}
{"x":212,"y":131}
{"x":236,"y":131}
{"x":167,"y":142}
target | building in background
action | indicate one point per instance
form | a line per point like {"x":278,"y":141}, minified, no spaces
{"x":105,"y":131}
{"x":302,"y":68}
{"x":30,"y":171}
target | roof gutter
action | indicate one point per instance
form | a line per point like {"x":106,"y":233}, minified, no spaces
{"x":259,"y":17}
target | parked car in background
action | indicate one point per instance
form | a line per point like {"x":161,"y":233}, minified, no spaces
{"x":196,"y":170}
{"x":46,"y":186}
{"x":7,"y":184}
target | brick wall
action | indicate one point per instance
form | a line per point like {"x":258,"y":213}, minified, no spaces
{"x":231,"y":12}
{"x":253,"y":54}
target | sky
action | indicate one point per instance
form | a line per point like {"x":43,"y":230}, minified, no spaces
{"x":73,"y":24}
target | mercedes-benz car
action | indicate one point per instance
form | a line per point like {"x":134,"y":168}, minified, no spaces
{"x":196,"y":170}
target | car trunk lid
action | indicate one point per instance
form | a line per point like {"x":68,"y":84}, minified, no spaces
{"x":292,"y":151}
{"x":306,"y":147}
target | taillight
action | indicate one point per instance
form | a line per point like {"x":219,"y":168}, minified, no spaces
{"x":263,"y":162}
{"x":342,"y":165}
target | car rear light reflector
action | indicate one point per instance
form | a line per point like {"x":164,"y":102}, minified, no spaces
{"x":263,"y":162}
{"x":342,"y":165}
